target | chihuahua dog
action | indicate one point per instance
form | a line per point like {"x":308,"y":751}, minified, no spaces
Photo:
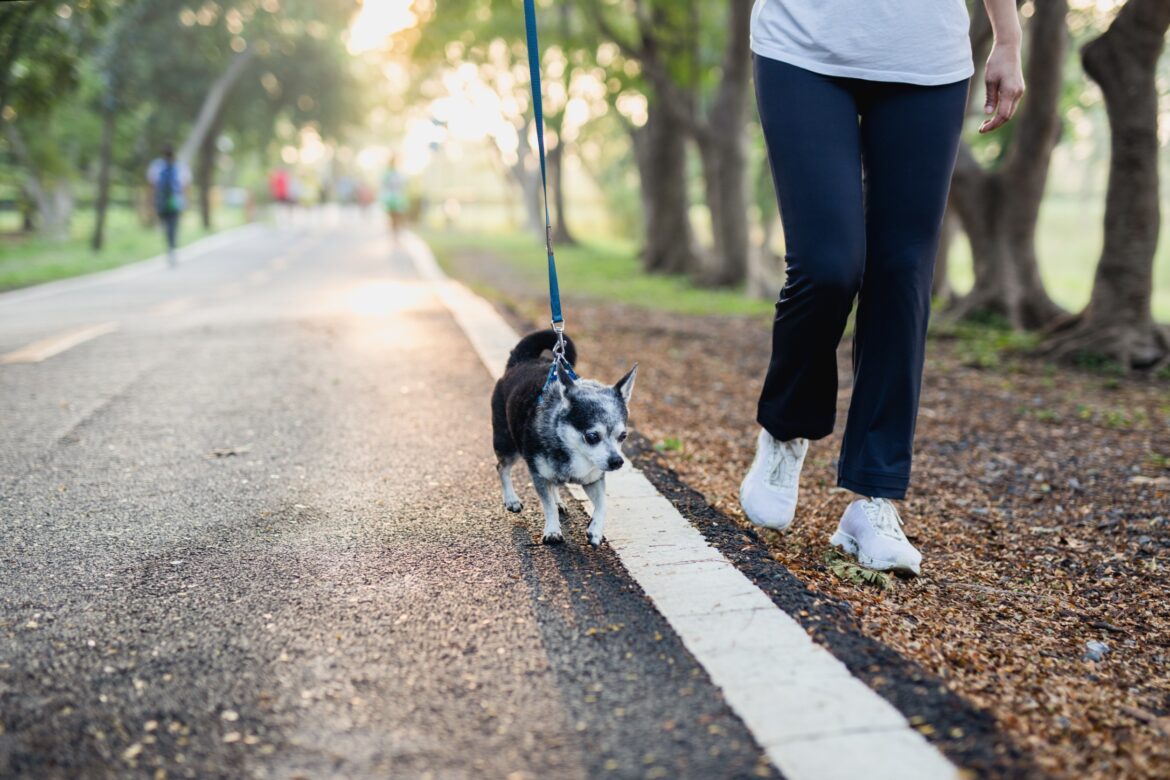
{"x":566,"y":429}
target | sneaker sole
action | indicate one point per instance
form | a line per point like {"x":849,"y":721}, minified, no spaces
{"x":847,"y":544}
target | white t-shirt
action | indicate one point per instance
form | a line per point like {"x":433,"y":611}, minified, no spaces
{"x":910,"y":41}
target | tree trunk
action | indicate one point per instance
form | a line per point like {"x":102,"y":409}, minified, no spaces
{"x":205,"y":173}
{"x":941,"y":289}
{"x":766,"y":269}
{"x":726,"y":192}
{"x":999,"y":208}
{"x":1118,"y":323}
{"x":765,"y":275}
{"x":212,"y":103}
{"x":721,"y":140}
{"x":719,"y":132}
{"x":556,"y":169}
{"x":562,"y":236}
{"x":530,"y":195}
{"x":105,"y":155}
{"x":54,"y":204}
{"x":660,"y":149}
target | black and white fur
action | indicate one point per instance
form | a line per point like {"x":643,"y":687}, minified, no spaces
{"x":572,"y":432}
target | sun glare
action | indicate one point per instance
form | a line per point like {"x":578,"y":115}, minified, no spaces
{"x":377,"y":21}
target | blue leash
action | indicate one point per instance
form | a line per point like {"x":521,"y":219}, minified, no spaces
{"x":554,"y":291}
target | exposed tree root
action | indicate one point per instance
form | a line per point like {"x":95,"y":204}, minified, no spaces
{"x":1129,"y":346}
{"x":1032,"y":312}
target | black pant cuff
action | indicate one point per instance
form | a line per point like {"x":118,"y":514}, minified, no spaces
{"x":891,"y":486}
{"x":786,"y":430}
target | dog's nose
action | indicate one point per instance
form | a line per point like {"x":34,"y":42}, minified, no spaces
{"x":615,"y":462}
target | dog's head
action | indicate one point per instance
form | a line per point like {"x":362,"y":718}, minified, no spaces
{"x":591,"y":418}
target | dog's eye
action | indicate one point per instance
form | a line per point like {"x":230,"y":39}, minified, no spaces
{"x":622,"y":436}
{"x":593,"y":437}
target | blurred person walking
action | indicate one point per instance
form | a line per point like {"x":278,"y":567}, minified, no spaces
{"x":393,"y":197}
{"x":170,"y":179}
{"x":861,"y":106}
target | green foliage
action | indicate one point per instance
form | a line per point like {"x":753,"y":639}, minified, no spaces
{"x":42,"y":47}
{"x":1118,"y":419}
{"x":1097,"y":363}
{"x":669,"y":444}
{"x":848,"y":570}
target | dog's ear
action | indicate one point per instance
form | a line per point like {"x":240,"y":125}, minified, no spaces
{"x":625,"y":385}
{"x":563,"y":376}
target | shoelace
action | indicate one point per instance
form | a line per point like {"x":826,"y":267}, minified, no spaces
{"x":783,"y":471}
{"x":885,"y":518}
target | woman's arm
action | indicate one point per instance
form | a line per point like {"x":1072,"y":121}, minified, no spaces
{"x":1003,"y":75}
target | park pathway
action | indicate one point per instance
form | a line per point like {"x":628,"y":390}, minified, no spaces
{"x":249,"y":527}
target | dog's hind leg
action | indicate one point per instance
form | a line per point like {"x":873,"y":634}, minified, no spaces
{"x":552,"y":517}
{"x":596,"y":529}
{"x":504,"y":465}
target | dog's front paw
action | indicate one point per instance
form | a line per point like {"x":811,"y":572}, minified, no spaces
{"x":516,"y":505}
{"x":552,"y":537}
{"x":595,"y":539}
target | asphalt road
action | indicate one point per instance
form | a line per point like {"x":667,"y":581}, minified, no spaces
{"x":254,"y":530}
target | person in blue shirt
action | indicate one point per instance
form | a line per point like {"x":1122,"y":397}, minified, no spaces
{"x":169,"y":178}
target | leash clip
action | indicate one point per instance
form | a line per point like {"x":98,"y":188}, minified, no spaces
{"x":559,"y":347}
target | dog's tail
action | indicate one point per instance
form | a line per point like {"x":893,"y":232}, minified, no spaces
{"x":533,"y":346}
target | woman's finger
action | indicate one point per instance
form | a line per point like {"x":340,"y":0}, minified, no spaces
{"x":1008,"y":102}
{"x":1002,"y":115}
{"x":990,"y":105}
{"x":1015,"y":104}
{"x":992,"y":101}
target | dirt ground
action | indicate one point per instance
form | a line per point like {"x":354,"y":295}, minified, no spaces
{"x":1040,"y":499}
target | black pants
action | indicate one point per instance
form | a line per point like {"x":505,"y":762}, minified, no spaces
{"x":862,"y":170}
{"x":170,"y":220}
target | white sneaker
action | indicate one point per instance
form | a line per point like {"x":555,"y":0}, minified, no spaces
{"x":768,"y":492}
{"x":871,"y":530}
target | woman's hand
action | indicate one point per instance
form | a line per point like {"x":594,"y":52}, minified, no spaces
{"x":1005,"y":85}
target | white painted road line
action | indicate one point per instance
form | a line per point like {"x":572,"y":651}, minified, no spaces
{"x":815,"y":720}
{"x":55,"y":345}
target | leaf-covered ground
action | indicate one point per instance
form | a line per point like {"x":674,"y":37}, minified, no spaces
{"x":1040,"y":499}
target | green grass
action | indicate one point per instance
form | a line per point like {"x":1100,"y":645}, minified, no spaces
{"x":606,"y":270}
{"x":987,"y":342}
{"x":32,"y":260}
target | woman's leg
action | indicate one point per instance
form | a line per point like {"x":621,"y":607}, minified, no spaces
{"x":909,"y":137}
{"x":814,"y":146}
